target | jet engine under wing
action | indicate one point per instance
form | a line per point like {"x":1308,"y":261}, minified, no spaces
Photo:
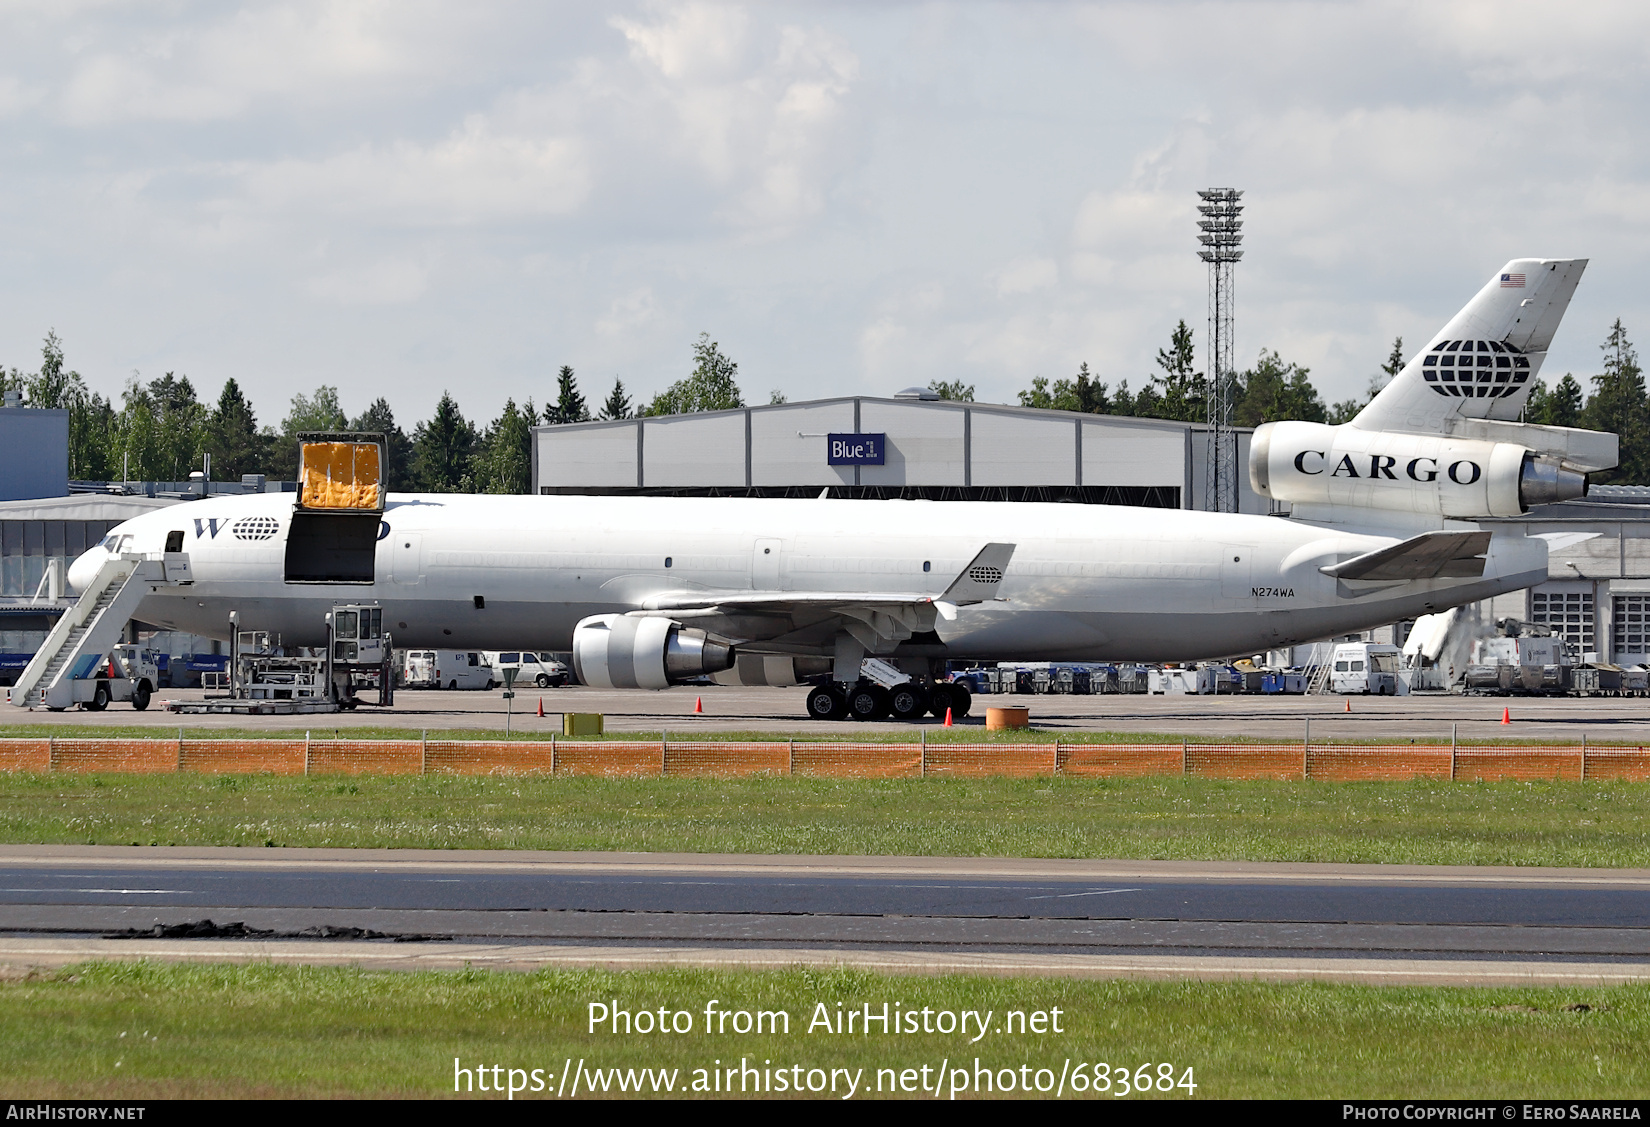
{"x":1431,"y":555}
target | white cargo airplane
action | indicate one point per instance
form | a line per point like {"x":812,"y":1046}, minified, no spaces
{"x":647,"y":592}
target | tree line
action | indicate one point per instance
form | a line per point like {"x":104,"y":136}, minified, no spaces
{"x":1273,"y":390}
{"x":159,"y":430}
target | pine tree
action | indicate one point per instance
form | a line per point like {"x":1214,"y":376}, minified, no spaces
{"x":570,"y":407}
{"x":1394,"y":364}
{"x":442,"y":450}
{"x":1618,"y":405}
{"x":1560,"y":406}
{"x":182,"y":422}
{"x":232,"y":435}
{"x":618,"y":403}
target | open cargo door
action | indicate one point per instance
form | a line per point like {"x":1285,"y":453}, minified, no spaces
{"x":341,"y":486}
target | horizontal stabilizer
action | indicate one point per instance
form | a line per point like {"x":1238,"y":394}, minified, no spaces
{"x":1431,"y":555}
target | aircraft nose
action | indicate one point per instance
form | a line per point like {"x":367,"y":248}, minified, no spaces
{"x":85,"y":569}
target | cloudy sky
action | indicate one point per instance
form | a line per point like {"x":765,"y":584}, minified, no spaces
{"x":400,"y":198}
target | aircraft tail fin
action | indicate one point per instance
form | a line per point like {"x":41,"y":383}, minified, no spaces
{"x":1484,"y":362}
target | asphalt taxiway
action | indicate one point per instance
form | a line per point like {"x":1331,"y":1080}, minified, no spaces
{"x":1270,"y":716}
{"x":59,"y":904}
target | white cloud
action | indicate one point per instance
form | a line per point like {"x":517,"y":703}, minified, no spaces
{"x":474,"y":175}
{"x":392,"y":282}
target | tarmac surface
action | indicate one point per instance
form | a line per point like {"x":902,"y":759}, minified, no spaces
{"x":1427,"y":717}
{"x":60,"y":904}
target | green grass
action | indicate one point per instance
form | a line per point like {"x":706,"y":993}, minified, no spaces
{"x":145,"y":1031}
{"x":1507,"y":823}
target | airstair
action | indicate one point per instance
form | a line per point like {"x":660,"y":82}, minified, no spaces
{"x":88,"y":631}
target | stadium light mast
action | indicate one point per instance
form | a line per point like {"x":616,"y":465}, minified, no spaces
{"x":1222,"y":241}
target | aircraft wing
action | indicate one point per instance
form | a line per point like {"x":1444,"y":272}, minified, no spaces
{"x":805,"y":618}
{"x":1431,"y":555}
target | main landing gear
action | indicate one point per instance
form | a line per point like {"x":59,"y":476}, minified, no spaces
{"x":867,"y":700}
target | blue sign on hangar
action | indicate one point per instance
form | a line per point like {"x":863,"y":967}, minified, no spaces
{"x":855,"y":449}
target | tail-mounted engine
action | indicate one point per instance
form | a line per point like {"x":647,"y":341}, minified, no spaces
{"x":1465,"y":478}
{"x":616,"y":651}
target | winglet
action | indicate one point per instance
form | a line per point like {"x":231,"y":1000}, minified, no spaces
{"x":978,"y":581}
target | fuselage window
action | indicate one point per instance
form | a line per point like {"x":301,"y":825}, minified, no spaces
{"x":667,"y":561}
{"x":928,"y":565}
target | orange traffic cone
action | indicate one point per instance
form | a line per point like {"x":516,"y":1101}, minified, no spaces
{"x":541,"y":708}
{"x":1506,"y":715}
{"x":1349,"y":704}
{"x":698,"y":704}
{"x":948,"y":718}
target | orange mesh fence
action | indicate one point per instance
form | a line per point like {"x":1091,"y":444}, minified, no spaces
{"x":1374,"y":762}
{"x":25,"y":755}
{"x":617,"y":760}
{"x":487,"y":757}
{"x":714,"y":758}
{"x":365,"y":757}
{"x":1120,"y":759}
{"x":977,"y":760}
{"x":857,"y":761}
{"x":243,"y":757}
{"x":123,"y":756}
{"x":639,"y":758}
{"x":1618,"y":763}
{"x":1246,"y":761}
{"x":1491,"y":764}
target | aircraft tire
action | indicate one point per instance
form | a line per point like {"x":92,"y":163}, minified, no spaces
{"x":868,"y":702}
{"x":140,"y":696}
{"x":961,"y":701}
{"x":940,"y":698}
{"x":825,"y":703}
{"x":908,"y":701}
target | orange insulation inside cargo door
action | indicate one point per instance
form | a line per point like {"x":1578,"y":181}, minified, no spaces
{"x":341,"y":475}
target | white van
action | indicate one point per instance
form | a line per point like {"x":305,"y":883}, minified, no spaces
{"x":447,"y":669}
{"x":531,"y":668}
{"x":1368,"y":667}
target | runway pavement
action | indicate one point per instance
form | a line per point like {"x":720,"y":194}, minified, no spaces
{"x":1157,"y":919}
{"x":1263,"y":716}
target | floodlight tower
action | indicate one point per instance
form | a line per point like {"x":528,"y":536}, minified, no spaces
{"x":1222,"y":241}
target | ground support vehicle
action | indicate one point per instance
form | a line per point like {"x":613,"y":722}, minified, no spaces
{"x":530,"y":668}
{"x":1368,"y":668}
{"x":129,"y":674}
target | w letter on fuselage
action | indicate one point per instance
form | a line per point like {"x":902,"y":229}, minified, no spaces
{"x":210,"y":526}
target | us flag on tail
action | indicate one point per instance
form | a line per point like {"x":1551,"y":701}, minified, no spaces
{"x":1512,"y":281}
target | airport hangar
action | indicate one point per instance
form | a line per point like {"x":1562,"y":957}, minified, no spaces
{"x":1597,"y":593}
{"x":919,"y":447}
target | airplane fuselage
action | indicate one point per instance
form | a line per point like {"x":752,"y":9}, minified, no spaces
{"x":1085,"y":582}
